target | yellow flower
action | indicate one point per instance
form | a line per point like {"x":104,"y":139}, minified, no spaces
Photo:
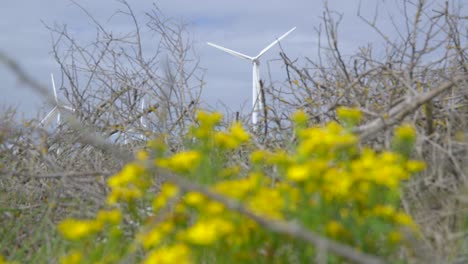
{"x":384,"y":210}
{"x":298,"y":173}
{"x":394,"y":237}
{"x":415,"y":166}
{"x":267,"y":202}
{"x":389,"y":157}
{"x":168,"y":190}
{"x":209,"y":119}
{"x":110,"y":216}
{"x":238,"y":188}
{"x":155,"y":235}
{"x":405,"y":132}
{"x":142,"y":155}
{"x":235,"y":136}
{"x":129,"y":195}
{"x":131,"y":173}
{"x":194,"y":198}
{"x":3,"y":261}
{"x":300,"y":118}
{"x":174,"y":254}
{"x":230,"y":172}
{"x":73,"y":257}
{"x":213,"y":208}
{"x":349,"y":115}
{"x":404,"y":219}
{"x":257,"y":156}
{"x":237,"y":131}
{"x":207,"y":232}
{"x":226,"y":141}
{"x":74,"y":229}
{"x":334,"y":229}
{"x":150,"y":239}
{"x":184,"y":161}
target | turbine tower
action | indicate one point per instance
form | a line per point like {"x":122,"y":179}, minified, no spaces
{"x":143,"y":122}
{"x":57,"y":109}
{"x":257,"y":100}
{"x":133,"y":133}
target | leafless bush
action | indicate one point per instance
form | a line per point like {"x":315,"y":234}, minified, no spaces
{"x":421,"y":79}
{"x":106,"y":81}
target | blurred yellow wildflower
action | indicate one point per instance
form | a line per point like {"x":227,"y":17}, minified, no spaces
{"x":74,"y":229}
{"x":109,"y":216}
{"x":350,"y":116}
{"x":300,"y":118}
{"x":142,"y":155}
{"x":73,"y":257}
{"x":415,"y":166}
{"x":168,"y":190}
{"x":298,"y":173}
{"x":182,"y":162}
{"x":405,"y":132}
{"x":131,"y":173}
{"x":334,"y":229}
{"x":194,"y":198}
{"x":173,"y":254}
{"x":207,"y":232}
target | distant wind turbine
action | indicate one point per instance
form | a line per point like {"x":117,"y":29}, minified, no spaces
{"x":257,"y":101}
{"x":132,"y":132}
{"x":57,"y":109}
{"x":143,"y":119}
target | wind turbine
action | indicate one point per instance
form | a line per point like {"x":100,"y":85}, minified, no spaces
{"x":132,"y":132}
{"x":56,"y":110}
{"x":257,"y":100}
{"x":143,"y":119}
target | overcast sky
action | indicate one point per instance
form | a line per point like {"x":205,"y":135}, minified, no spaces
{"x":244,"y":26}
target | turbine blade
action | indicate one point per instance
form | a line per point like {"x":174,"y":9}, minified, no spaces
{"x":66,"y":107}
{"x":234,"y":53}
{"x":58,"y":117}
{"x":49,"y":116}
{"x":274,"y":43}
{"x":53,"y":86}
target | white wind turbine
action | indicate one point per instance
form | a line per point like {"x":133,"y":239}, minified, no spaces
{"x":143,"y":123}
{"x":257,"y":100}
{"x":57,"y":109}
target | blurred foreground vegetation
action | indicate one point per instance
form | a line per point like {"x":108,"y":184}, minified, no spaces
{"x":359,"y":158}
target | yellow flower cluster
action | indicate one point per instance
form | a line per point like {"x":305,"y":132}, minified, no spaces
{"x":73,"y":257}
{"x":168,"y":191}
{"x":182,"y":162}
{"x":233,"y":138}
{"x":174,"y":254}
{"x":349,"y":116}
{"x":3,"y":261}
{"x":325,"y":182}
{"x":207,"y":122}
{"x":128,"y":185}
{"x":326,"y":142}
{"x":75,"y":229}
{"x":205,"y":232}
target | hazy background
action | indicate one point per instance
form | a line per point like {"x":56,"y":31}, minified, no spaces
{"x":244,"y":26}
